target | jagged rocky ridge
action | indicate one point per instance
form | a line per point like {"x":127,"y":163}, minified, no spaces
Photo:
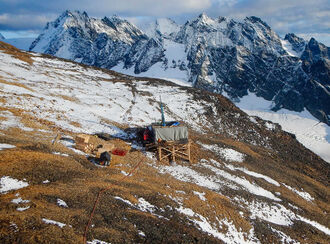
{"x":103,"y":43}
{"x":220,"y":55}
{"x":298,"y":44}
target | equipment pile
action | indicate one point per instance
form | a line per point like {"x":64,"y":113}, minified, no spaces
{"x":100,"y":149}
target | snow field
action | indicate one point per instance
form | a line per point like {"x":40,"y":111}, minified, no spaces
{"x":93,"y":100}
{"x":309,"y":132}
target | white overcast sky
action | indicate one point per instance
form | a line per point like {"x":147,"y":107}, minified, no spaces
{"x":306,"y":18}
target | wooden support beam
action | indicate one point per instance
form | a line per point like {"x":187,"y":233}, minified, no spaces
{"x":159,"y":153}
{"x":172,"y":150}
{"x":189,"y":158}
{"x":150,"y":146}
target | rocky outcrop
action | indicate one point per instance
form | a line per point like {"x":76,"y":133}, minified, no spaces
{"x":298,"y":44}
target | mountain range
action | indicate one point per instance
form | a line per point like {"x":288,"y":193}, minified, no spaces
{"x":224,"y":56}
{"x":221,"y":55}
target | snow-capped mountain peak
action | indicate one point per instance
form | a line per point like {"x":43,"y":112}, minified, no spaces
{"x":92,"y":41}
{"x":118,"y":29}
{"x":257,"y":20}
{"x":297,"y":44}
{"x":162,"y":28}
{"x":58,"y":35}
{"x":2,"y":37}
{"x":203,"y":22}
{"x":74,"y":18}
{"x":204,"y":19}
{"x":167,"y":26}
{"x":316,"y":51}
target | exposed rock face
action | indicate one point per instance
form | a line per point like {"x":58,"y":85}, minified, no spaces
{"x":298,"y":44}
{"x":316,"y":64}
{"x":220,"y":55}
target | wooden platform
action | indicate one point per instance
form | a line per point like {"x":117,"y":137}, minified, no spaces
{"x":172,"y":150}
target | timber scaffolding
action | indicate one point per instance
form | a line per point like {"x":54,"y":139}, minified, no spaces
{"x":170,"y":142}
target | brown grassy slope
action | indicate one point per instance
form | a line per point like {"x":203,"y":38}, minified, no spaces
{"x":74,"y":180}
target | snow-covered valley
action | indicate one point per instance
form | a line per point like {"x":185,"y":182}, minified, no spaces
{"x":309,"y":131}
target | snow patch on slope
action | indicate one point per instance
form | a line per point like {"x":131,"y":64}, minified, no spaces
{"x":232,"y":235}
{"x":21,"y":209}
{"x":254,"y":174}
{"x":53,"y":222}
{"x":276,"y":214}
{"x":10,"y":119}
{"x":96,"y":241}
{"x":302,"y":194}
{"x":189,"y":175}
{"x":228,"y":154}
{"x":9,"y":184}
{"x":284,"y":238}
{"x":242,"y":182}
{"x":287,"y":46}
{"x":318,"y":226}
{"x":61,"y":203}
{"x":19,"y":200}
{"x":216,"y":181}
{"x":6,"y":146}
